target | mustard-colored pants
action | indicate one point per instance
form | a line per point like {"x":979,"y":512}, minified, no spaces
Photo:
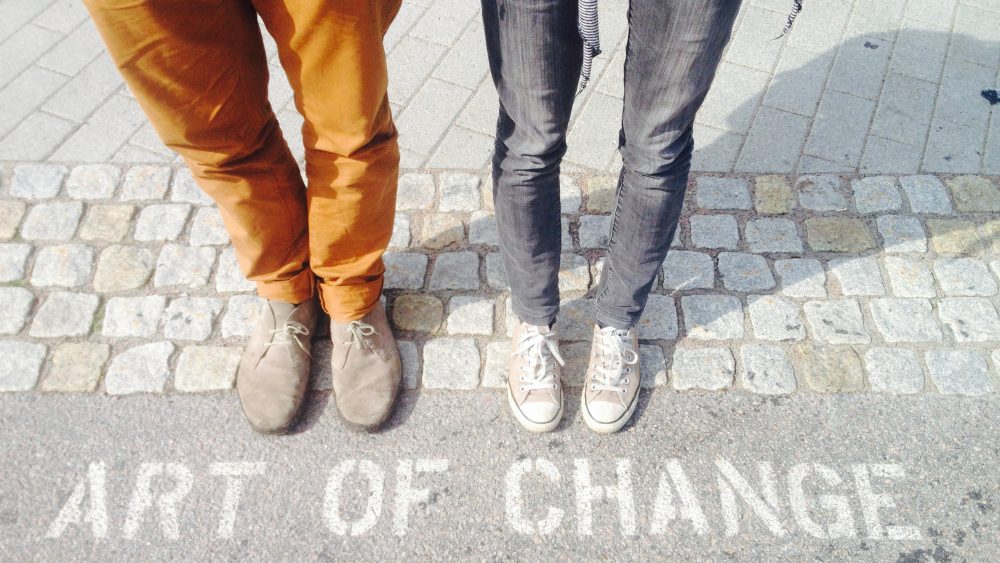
{"x":199,"y":71}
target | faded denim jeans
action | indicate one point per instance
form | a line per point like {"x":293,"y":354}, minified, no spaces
{"x":535,"y":52}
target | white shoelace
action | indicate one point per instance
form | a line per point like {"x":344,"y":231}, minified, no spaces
{"x":361,"y":333}
{"x":289,"y":332}
{"x":616,"y":354}
{"x":537,"y":351}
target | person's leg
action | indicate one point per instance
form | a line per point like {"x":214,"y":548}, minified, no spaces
{"x":674,"y":48}
{"x":199,"y":71}
{"x":332,"y":52}
{"x":333,"y":55}
{"x":535,"y":53}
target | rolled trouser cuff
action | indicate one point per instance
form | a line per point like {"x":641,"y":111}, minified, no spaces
{"x":346,"y":302}
{"x":294,"y":290}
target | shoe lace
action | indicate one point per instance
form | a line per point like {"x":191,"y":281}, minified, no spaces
{"x":361,"y":333}
{"x":616,"y":357}
{"x":291,"y":331}
{"x":537,"y":351}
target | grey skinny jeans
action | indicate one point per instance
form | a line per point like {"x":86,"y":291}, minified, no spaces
{"x":535,"y":52}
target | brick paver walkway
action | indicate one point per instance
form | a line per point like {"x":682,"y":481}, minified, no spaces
{"x":841,"y":232}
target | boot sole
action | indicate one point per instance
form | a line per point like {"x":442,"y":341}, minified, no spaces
{"x":607,"y":427}
{"x":535,"y":426}
{"x":375,"y":426}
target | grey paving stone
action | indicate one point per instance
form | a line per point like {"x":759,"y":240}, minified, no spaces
{"x":570,"y":195}
{"x":126,"y":317}
{"x":11,"y":213}
{"x":64,"y":314}
{"x":905,"y":320}
{"x":409,"y":357}
{"x":857,"y":275}
{"x":964,"y":276}
{"x":145,"y":183}
{"x":141,"y":369}
{"x":926,"y":194}
{"x":772,"y":195}
{"x":954,"y":236}
{"x":93,"y":181}
{"x":773,"y":235}
{"x":420,"y":312}
{"x":974,"y":194}
{"x":190,"y":318}
{"x":20,"y":364}
{"x":242,"y":312}
{"x":451,"y":363}
{"x":830,"y":369}
{"x":76,"y":367}
{"x":400,"y":238}
{"x":714,"y":231}
{"x":659,"y":318}
{"x":37,"y":181}
{"x":839,"y":234}
{"x":206,"y":368}
{"x":468,"y":314}
{"x":404,"y":270}
{"x":574,"y":273}
{"x":766,"y":370}
{"x":483,"y":229}
{"x":909,"y":278}
{"x":185,"y":189}
{"x":107,"y":222}
{"x":55,"y":220}
{"x":15,"y":302}
{"x":722,"y":193}
{"x":652,"y":366}
{"x":685,"y":269}
{"x":415,"y":191}
{"x":496,"y":276}
{"x":228,"y":276}
{"x":901,"y":233}
{"x":187,"y":266}
{"x":459,"y":192}
{"x":702,"y":368}
{"x":576,"y":319}
{"x":894,"y":370}
{"x":455,"y":270}
{"x":801,"y":277}
{"x":821,"y":193}
{"x":744,"y":272}
{"x":161,"y":221}
{"x":712,"y":317}
{"x":495,"y":366}
{"x":429,"y":114}
{"x":207,"y":228}
{"x":876,"y":194}
{"x":959,"y":372}
{"x":836,"y":321}
{"x":594,"y":230}
{"x":13,"y":257}
{"x":65,"y":265}
{"x":970,"y":319}
{"x":775,"y":318}
{"x":441,"y":230}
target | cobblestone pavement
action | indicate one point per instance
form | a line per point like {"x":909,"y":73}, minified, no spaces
{"x":121,"y":280}
{"x":840,"y":234}
{"x":858,"y":86}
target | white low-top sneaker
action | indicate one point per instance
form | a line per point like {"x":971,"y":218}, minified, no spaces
{"x":611,"y":386}
{"x":534,"y":388}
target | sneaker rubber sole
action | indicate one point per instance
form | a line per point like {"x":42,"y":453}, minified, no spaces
{"x":530,"y":425}
{"x":607,"y":427}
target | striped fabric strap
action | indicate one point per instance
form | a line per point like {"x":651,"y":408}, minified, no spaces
{"x":587,"y":26}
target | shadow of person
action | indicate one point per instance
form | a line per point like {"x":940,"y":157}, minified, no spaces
{"x":885,"y":232}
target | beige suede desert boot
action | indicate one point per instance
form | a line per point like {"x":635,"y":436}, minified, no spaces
{"x":274,"y":370}
{"x":366,"y":369}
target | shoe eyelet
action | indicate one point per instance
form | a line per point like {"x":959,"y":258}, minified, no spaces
{"x":593,"y":387}
{"x":625,"y":381}
{"x":521,"y":388}
{"x":628,"y":370}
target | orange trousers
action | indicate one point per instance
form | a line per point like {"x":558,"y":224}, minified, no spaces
{"x":199,"y":71}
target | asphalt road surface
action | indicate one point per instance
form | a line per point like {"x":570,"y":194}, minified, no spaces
{"x":698,"y":476}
